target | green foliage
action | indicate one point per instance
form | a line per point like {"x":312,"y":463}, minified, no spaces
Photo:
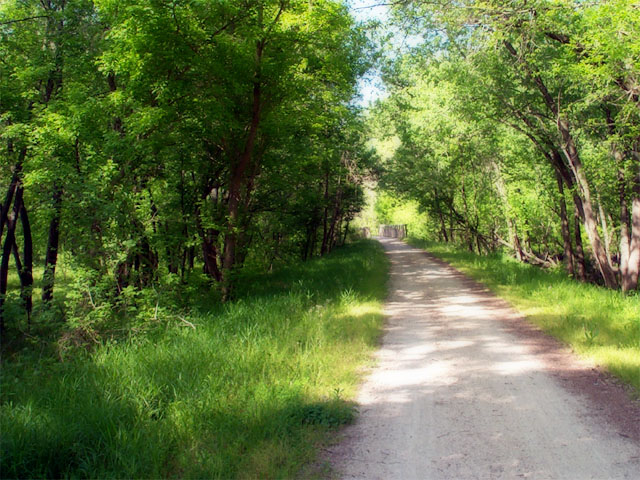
{"x":510,"y":116}
{"x":245,"y":389}
{"x":152,"y":137}
{"x":392,"y":211}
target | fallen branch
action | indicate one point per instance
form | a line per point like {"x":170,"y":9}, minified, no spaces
{"x":187,"y":322}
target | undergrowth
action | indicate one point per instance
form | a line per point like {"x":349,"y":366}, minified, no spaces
{"x":247,"y":389}
{"x":601,"y":324}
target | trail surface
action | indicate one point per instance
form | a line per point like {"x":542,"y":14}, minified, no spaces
{"x":464,"y":389}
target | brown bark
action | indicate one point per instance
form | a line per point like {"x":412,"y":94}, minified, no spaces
{"x":25,"y":270}
{"x":633,"y":271}
{"x":210,"y":254}
{"x":13,"y":184}
{"x":628,"y":261}
{"x":625,"y":230}
{"x":51,"y":257}
{"x":238,"y":179}
{"x":564,"y":223}
{"x":325,"y":217}
{"x":590,"y":222}
{"x":9,"y":242}
{"x":517,"y":245}
{"x":443,"y":227}
{"x":580,"y":265}
{"x":330,"y":241}
{"x":606,"y":234}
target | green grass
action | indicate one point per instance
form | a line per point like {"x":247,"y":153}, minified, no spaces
{"x":243,"y":390}
{"x":600,"y":324}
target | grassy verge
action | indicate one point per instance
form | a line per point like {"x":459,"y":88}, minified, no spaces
{"x":597,"y":323}
{"x":244,"y":390}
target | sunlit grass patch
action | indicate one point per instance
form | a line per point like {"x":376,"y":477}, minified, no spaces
{"x":243,"y":390}
{"x":600,"y":324}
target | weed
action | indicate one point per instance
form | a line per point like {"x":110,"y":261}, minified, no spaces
{"x":215,"y":391}
{"x":591,"y":331}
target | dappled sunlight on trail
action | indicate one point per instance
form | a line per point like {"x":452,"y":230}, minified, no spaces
{"x":458,"y":394}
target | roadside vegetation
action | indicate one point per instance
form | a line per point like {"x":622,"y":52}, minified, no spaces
{"x":245,"y":389}
{"x":513,"y":130}
{"x":598,"y":323}
{"x":516,"y":125}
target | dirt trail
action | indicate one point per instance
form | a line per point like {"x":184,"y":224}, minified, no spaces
{"x":464,"y":389}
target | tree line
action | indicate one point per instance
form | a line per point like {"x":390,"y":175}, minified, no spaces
{"x":149,"y":138}
{"x":517,"y":125}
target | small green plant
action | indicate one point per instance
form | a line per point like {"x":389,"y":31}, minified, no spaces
{"x":591,"y":331}
{"x":245,"y":389}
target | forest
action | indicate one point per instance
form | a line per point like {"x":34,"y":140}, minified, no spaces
{"x":141,"y":140}
{"x":144,"y":140}
{"x":516,"y":125}
{"x":168,"y":165}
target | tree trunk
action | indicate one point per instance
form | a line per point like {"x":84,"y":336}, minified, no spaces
{"x":325,"y":218}
{"x":237,"y":182}
{"x":9,"y":242}
{"x":629,"y":257}
{"x":51,"y":257}
{"x":443,"y":227}
{"x":590,"y":223}
{"x":602,"y":216}
{"x":564,"y":222}
{"x":580,"y":265}
{"x":26,"y":272}
{"x":15,"y":180}
{"x":633,"y":270}
{"x":571,"y":153}
{"x":517,"y":245}
{"x":210,"y":255}
{"x":625,"y":230}
{"x":336,"y":218}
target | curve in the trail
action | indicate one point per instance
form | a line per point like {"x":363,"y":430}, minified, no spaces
{"x":458,"y":392}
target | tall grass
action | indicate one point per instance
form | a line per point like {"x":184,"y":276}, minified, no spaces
{"x":242,"y":390}
{"x":598,"y":323}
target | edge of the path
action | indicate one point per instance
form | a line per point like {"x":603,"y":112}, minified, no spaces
{"x":607,"y":398}
{"x":610,"y":399}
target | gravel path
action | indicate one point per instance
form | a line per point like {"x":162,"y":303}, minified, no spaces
{"x":463,"y":388}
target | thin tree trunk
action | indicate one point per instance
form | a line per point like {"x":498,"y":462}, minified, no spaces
{"x":15,"y":180}
{"x":26,"y":272}
{"x":51,"y":257}
{"x":443,"y":228}
{"x":210,"y":255}
{"x":325,"y":218}
{"x":237,"y":182}
{"x":511,"y":226}
{"x":564,"y":223}
{"x":517,"y":245}
{"x":625,"y":230}
{"x":633,"y":271}
{"x":9,"y":242}
{"x":605,"y":231}
{"x":590,"y":222}
{"x":580,"y":265}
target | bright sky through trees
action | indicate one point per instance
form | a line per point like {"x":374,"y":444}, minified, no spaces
{"x":370,"y":86}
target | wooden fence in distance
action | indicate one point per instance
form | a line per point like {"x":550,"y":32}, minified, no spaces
{"x":392,"y":231}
